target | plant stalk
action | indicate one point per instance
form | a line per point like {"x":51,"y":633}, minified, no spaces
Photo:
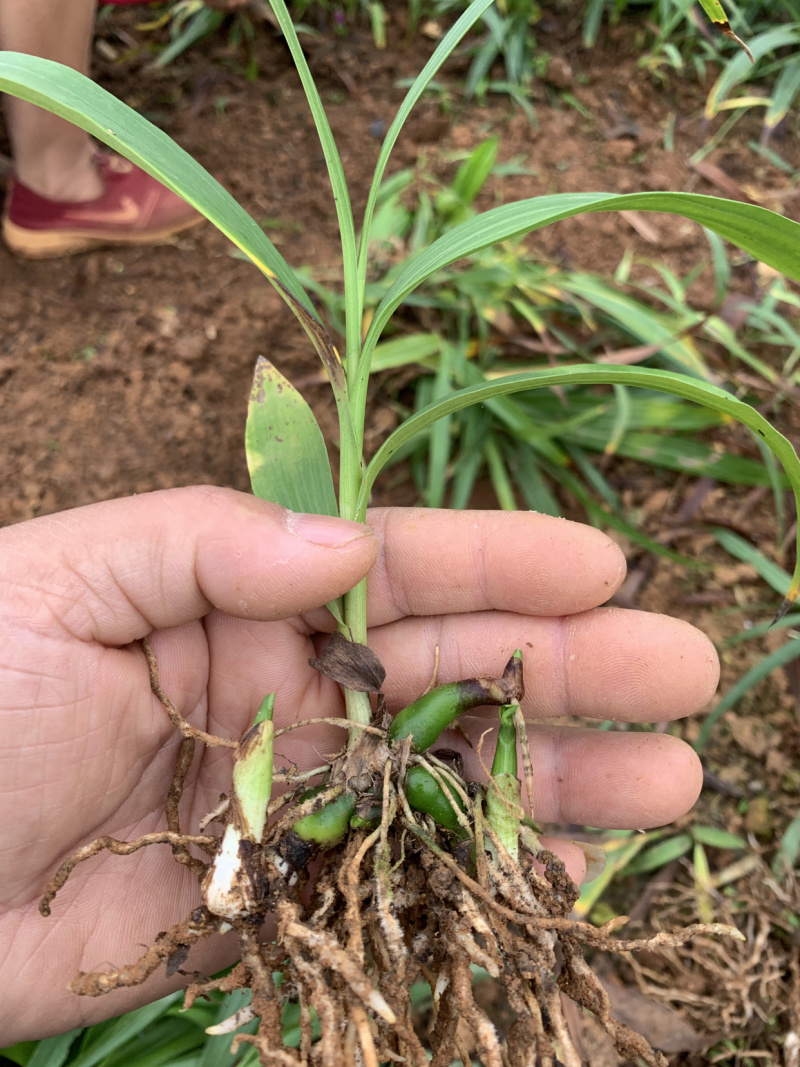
{"x":504,"y":792}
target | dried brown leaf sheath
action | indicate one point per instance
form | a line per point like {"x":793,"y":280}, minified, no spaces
{"x":351,"y":665}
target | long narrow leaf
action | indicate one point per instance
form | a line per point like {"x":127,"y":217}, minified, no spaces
{"x":740,"y":67}
{"x":773,"y":575}
{"x":444,"y":49}
{"x":75,"y":97}
{"x":118,"y":1031}
{"x":767,"y":236}
{"x":786,"y":89}
{"x":341,"y":195}
{"x":679,"y":385}
{"x":53,"y":1051}
{"x":782,"y":655}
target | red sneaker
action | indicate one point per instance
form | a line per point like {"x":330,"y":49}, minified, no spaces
{"x":134,"y":209}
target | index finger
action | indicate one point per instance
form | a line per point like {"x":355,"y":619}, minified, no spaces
{"x":436,"y":562}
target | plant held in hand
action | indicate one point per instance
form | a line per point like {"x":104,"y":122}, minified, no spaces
{"x":420,"y":874}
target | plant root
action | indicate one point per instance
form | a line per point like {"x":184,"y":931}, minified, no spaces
{"x":398,"y":902}
{"x":119,"y":848}
{"x":170,"y":945}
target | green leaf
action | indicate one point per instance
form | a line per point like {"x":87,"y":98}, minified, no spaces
{"x":710,"y":835}
{"x":740,"y":67}
{"x":714,"y":10}
{"x":676,"y":384}
{"x":766,"y":235}
{"x":76,"y":98}
{"x":21,"y":1052}
{"x":773,"y":575}
{"x":216,"y":1052}
{"x":785,"y":90}
{"x":659,"y":855}
{"x":158,"y":1046}
{"x":53,"y":1051}
{"x":703,"y":885}
{"x":443,"y":50}
{"x":286,"y":453}
{"x":679,"y":454}
{"x":620,"y":849}
{"x":408,"y":348}
{"x":107,"y":1038}
{"x":333,"y":162}
{"x":785,"y":654}
{"x":473,"y":172}
{"x":440,"y":444}
{"x":641,"y":321}
{"x":204,"y":23}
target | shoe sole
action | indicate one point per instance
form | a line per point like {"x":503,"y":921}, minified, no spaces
{"x":50,"y":244}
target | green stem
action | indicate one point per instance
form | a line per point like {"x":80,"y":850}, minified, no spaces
{"x":504,"y":793}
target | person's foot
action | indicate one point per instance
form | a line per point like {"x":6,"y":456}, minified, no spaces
{"x":132,"y":209}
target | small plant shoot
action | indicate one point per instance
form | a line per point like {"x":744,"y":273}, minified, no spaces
{"x":418,"y":874}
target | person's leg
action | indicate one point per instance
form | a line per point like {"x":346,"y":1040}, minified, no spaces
{"x":65,"y":195}
{"x":51,"y":156}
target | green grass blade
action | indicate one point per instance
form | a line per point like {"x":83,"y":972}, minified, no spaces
{"x":408,"y":348}
{"x":716,"y":838}
{"x":658,"y":855}
{"x":499,"y":476}
{"x":594,"y":477}
{"x":599,"y":517}
{"x":764,"y":234}
{"x":472,"y":174}
{"x":740,"y":67}
{"x":286,"y":453}
{"x":775,"y":576}
{"x":53,"y":1051}
{"x":592,"y":17}
{"x":475,"y":425}
{"x":535,"y":492}
{"x":341,"y":195}
{"x":159,"y":1046}
{"x":723,"y":334}
{"x":440,"y":441}
{"x":113,"y":1035}
{"x":641,"y":321}
{"x":622,"y":420}
{"x":678,"y":385}
{"x":714,"y":10}
{"x":73,"y":96}
{"x":216,"y":1051}
{"x":443,"y":50}
{"x":202,"y":24}
{"x":620,"y":849}
{"x":720,"y":265}
{"x":788,"y":622}
{"x":786,"y":89}
{"x":785,"y":654}
{"x":680,"y":454}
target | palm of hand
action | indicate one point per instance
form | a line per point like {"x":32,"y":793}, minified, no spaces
{"x":89,"y":751}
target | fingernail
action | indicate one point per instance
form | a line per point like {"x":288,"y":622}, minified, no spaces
{"x":325,"y":530}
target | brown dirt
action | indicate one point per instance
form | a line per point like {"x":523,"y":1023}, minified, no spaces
{"x":127,"y":370}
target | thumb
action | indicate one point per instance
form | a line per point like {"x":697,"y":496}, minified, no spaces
{"x":111,"y":572}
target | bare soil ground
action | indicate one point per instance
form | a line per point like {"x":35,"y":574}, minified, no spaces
{"x":128,"y":370}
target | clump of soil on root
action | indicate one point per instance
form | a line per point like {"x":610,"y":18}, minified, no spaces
{"x":396,"y":902}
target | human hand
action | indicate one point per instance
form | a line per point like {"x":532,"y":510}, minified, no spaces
{"x":230,"y":588}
